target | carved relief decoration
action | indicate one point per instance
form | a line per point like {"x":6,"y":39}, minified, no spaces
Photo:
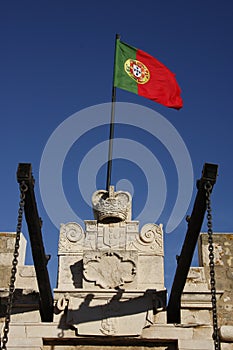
{"x":109,"y":324}
{"x":71,"y":237}
{"x":150,"y":239}
{"x":109,"y":269}
{"x":110,"y":204}
{"x":110,"y":236}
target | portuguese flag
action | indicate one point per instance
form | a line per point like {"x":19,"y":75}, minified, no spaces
{"x":139,"y":72}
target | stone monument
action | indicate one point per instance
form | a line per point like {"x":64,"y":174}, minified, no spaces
{"x":110,"y":289}
{"x":110,"y":276}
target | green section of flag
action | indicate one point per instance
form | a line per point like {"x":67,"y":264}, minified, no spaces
{"x":121,"y":79}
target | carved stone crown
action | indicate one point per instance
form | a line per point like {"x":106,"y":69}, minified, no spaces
{"x":110,"y":206}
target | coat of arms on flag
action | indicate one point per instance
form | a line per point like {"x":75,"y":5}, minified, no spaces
{"x":137,"y":71}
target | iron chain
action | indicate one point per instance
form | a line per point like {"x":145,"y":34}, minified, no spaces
{"x":208,"y":188}
{"x":23,"y":189}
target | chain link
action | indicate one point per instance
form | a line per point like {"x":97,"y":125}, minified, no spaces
{"x":208,"y":188}
{"x":23,"y":189}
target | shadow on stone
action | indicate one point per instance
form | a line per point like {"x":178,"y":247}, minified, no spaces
{"x":81,"y":311}
{"x":76,"y":270}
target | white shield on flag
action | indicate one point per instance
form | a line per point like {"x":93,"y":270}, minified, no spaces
{"x":137,"y":71}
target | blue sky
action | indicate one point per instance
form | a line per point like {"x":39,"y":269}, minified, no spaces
{"x":57,"y":59}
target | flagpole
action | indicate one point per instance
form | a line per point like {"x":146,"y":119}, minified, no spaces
{"x":111,"y":132}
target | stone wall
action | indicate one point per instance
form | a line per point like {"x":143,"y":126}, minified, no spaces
{"x":26,"y":297}
{"x":223,"y":259}
{"x":194,"y":332}
{"x":7,"y":244}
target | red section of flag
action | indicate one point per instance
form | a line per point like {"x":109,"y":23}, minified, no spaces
{"x":162,"y":86}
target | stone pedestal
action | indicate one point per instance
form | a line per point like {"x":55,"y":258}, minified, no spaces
{"x":111,"y":274}
{"x":110,"y":278}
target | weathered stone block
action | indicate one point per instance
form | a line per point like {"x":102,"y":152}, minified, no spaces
{"x":43,"y":330}
{"x":226,"y":346}
{"x":226,"y":333}
{"x":5,"y":273}
{"x":150,"y":272}
{"x":24,"y":343}
{"x":167,"y":331}
{"x":203,"y":332}
{"x":196,"y":316}
{"x":201,"y":344}
{"x":17,"y":331}
{"x":223,"y":259}
{"x":70,"y":271}
{"x":7,"y":244}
